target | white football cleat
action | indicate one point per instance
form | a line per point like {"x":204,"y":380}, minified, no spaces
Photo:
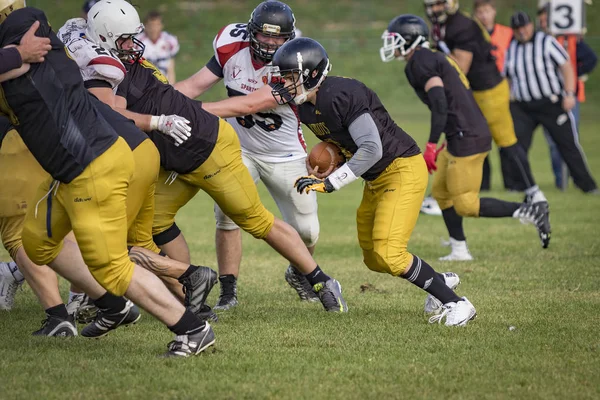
{"x":460,"y":251}
{"x":430,"y":207}
{"x":456,"y":314}
{"x":8,"y":284}
{"x":432,"y":304}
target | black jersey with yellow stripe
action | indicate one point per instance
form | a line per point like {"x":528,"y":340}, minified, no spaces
{"x":50,"y":107}
{"x":466,"y":128}
{"x":147,"y":91}
{"x":340,"y":101}
{"x":465,"y":33}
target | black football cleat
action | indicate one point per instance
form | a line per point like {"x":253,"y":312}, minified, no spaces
{"x":300,"y":284}
{"x":197,"y":286}
{"x":57,"y":327}
{"x":537,"y":214}
{"x":190,"y":345}
{"x":105,"y":322}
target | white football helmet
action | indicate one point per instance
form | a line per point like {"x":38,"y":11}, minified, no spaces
{"x":111,"y":20}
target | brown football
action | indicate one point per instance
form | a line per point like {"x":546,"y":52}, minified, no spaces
{"x":325,"y":154}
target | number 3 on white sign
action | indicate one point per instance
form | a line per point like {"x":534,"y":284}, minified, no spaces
{"x":567,"y":17}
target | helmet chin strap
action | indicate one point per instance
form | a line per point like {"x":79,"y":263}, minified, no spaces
{"x":301,"y":98}
{"x":420,"y":41}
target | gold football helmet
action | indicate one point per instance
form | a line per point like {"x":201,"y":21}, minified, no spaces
{"x":8,"y":6}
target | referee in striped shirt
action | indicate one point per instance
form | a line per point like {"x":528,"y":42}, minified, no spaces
{"x":542,"y":84}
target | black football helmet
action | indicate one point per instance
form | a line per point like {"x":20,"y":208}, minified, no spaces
{"x":440,"y":17}
{"x":274,"y":19}
{"x":304,"y":64}
{"x":404,"y":33}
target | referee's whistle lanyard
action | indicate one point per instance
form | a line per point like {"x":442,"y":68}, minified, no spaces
{"x":48,"y":196}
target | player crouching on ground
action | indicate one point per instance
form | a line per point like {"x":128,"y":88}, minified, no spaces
{"x":345,"y":112}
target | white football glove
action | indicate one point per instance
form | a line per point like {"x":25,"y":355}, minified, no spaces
{"x":172,"y":125}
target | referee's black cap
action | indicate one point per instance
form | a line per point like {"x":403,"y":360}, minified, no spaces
{"x":519,"y":19}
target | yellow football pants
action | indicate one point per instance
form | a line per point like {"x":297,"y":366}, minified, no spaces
{"x":140,"y":196}
{"x":388,"y":214}
{"x":457,"y":182}
{"x":20,"y":177}
{"x":226,"y":179}
{"x":93,"y":205}
{"x":495,"y":106}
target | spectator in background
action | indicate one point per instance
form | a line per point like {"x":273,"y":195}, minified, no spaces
{"x":160,"y":47}
{"x":545,"y":97}
{"x":500,"y":35}
{"x":584,"y":61}
{"x":86,"y":7}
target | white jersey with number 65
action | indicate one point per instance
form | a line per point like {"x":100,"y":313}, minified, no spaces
{"x":273,"y":135}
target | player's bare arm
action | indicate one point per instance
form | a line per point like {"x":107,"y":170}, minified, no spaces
{"x":104,"y":94}
{"x":464,"y":59}
{"x":237,"y":106}
{"x":569,"y":76}
{"x":15,"y":73}
{"x":171,"y":71}
{"x":198,"y":83}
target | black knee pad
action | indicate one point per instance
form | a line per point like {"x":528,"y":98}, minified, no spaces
{"x":166,"y":236}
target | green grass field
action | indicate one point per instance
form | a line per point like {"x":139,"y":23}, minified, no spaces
{"x":273,"y":346}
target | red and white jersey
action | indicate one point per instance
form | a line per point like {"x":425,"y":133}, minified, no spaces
{"x":95,"y":62}
{"x":160,"y":52}
{"x":273,"y":135}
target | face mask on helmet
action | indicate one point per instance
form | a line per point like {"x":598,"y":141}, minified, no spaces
{"x":8,"y":6}
{"x":438,"y":10}
{"x":262,"y":49}
{"x":296,"y":85}
{"x":393,"y":41}
{"x":128,"y":47}
{"x":114,"y":26}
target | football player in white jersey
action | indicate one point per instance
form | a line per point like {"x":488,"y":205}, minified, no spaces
{"x":272,"y":142}
{"x":160,"y":47}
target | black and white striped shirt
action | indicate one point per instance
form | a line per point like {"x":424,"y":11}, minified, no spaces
{"x":534,"y":67}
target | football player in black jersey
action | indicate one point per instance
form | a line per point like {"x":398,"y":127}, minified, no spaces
{"x":90,"y":168}
{"x":209,"y":160}
{"x":441,"y":85}
{"x":347,"y":113}
{"x":103,"y":72}
{"x":469,"y":43}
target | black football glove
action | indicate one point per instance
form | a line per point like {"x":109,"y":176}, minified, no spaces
{"x":305,"y":184}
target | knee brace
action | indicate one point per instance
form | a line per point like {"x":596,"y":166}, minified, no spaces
{"x":166,"y":236}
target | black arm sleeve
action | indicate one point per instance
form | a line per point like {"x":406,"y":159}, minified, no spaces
{"x":439,"y":112}
{"x":94,"y":83}
{"x":9,"y":59}
{"x":214,"y":67}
